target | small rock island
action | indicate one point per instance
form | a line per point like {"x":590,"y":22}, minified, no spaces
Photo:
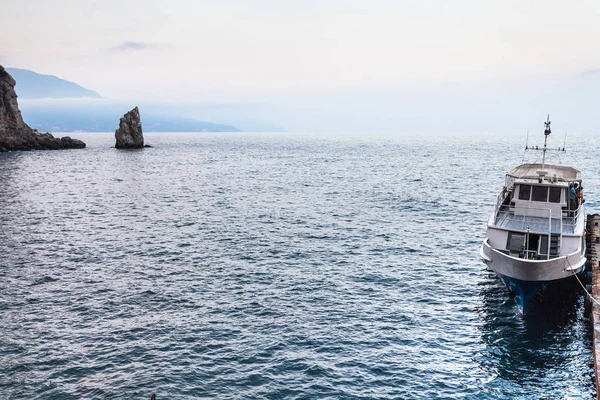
{"x":130,"y":135}
{"x":15,"y":134}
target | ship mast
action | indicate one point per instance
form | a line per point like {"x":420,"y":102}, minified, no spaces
{"x":547,"y":132}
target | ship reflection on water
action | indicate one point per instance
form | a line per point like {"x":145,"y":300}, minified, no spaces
{"x":542,"y":345}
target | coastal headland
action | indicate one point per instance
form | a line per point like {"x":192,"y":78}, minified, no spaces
{"x":15,"y":134}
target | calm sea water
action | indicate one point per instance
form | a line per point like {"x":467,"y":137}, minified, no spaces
{"x":231,"y":266}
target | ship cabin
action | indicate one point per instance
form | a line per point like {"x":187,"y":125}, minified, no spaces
{"x":535,"y":211}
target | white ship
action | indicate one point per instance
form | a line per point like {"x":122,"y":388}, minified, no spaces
{"x":536,"y":234}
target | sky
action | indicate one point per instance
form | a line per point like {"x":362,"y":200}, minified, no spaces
{"x":326,"y":60}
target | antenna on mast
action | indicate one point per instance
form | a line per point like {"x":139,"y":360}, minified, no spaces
{"x":526,"y":147}
{"x":547,"y":132}
{"x":544,"y":148}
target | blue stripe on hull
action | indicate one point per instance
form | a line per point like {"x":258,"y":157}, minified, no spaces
{"x":525,"y":291}
{"x":529,"y":293}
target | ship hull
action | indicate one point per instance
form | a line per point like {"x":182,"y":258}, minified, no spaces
{"x":527,"y":279}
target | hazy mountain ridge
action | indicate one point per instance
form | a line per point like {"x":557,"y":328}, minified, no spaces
{"x":105,"y":118}
{"x":31,"y":85}
{"x":52,"y":104}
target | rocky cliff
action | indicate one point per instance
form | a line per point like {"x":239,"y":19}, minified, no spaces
{"x":15,"y":134}
{"x":129,"y":135}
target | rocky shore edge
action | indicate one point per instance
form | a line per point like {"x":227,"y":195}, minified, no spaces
{"x":15,"y":134}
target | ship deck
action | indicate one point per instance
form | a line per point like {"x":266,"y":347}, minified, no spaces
{"x":507,"y":220}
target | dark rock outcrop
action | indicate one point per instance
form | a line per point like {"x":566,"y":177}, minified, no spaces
{"x":129,"y":135}
{"x":15,"y":134}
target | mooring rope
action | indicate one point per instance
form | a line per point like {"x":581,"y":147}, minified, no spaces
{"x":582,"y":286}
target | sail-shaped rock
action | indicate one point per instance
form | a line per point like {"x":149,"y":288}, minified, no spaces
{"x":130,"y":135}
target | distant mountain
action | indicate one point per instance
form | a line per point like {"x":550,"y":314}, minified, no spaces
{"x":52,"y":104}
{"x":252,"y":125}
{"x":89,"y":115}
{"x":31,"y":85}
{"x":156,"y":123}
{"x":590,"y":73}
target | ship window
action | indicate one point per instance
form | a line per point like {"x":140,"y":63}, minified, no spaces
{"x":516,"y":241}
{"x":554,"y":195}
{"x":524,"y":191}
{"x":539,"y":193}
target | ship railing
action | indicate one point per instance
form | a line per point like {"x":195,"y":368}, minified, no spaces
{"x":498,"y":204}
{"x":502,"y":213}
{"x":572,"y":220}
{"x":505,"y":212}
{"x":561,"y":238}
{"x":568,"y":224}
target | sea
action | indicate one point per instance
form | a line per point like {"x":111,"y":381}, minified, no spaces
{"x":276,"y":266}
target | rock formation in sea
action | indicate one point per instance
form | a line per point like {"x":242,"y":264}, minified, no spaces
{"x":15,"y":134}
{"x":129,"y":135}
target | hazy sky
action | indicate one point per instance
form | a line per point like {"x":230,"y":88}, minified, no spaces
{"x":238,"y":50}
{"x":230,"y":47}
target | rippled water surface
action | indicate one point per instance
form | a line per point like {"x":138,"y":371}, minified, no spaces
{"x":273,"y":266}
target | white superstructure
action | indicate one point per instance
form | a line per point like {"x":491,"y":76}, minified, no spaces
{"x":536,"y":233}
{"x":533,"y":228}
